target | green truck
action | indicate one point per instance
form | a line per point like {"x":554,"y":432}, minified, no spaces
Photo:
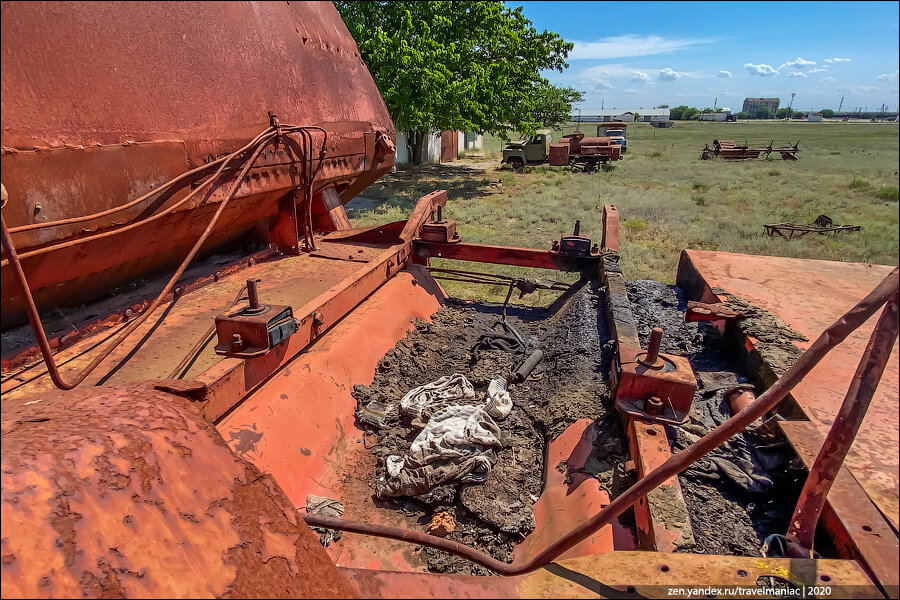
{"x":535,"y":149}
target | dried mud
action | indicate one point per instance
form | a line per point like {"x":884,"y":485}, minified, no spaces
{"x":569,"y":384}
{"x":725,"y":517}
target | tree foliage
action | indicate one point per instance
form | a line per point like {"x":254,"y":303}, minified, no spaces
{"x":552,"y":104}
{"x":828,"y":113}
{"x":473,"y":66}
{"x":763,"y":112}
{"x":684,"y":113}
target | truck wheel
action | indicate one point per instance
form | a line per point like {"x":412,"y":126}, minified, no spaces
{"x":517,"y":163}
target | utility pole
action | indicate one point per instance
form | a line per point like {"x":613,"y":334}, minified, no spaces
{"x":791,"y":105}
{"x":841,"y":104}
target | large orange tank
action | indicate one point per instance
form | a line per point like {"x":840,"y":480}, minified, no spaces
{"x":103,"y":102}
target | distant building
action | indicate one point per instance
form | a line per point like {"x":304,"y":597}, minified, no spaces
{"x":752,"y":106}
{"x":715,"y":116}
{"x":626,"y":115}
{"x":814,"y":117}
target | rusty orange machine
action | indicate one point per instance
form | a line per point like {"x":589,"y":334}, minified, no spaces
{"x":187,"y":308}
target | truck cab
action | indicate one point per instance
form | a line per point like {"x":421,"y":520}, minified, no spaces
{"x":535,"y":149}
{"x":615,"y":131}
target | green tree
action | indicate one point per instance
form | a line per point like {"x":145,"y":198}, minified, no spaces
{"x":690,"y":113}
{"x":466,"y":65}
{"x":553,"y":105}
{"x":784,"y":113}
{"x":763,"y":112}
{"x":828,"y":113}
{"x":741,"y":115}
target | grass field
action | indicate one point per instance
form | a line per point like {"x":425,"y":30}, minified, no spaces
{"x":669,"y":199}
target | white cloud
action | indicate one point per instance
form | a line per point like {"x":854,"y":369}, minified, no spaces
{"x":761,"y":70}
{"x":639,"y":77}
{"x":797,"y":74}
{"x":828,"y":80}
{"x":725,"y":74}
{"x":795,"y":64}
{"x":819,"y":70}
{"x":668,"y":74}
{"x":836,"y":60}
{"x":888,"y":76}
{"x":630,"y":44}
{"x":631,"y":91}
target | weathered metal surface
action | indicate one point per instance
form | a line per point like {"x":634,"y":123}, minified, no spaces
{"x":662,"y":516}
{"x":809,"y":295}
{"x":802,"y":528}
{"x":299,"y":425}
{"x":129,"y":492}
{"x":504,"y":255}
{"x":662,"y":394}
{"x":106,"y":121}
{"x":855,"y":525}
{"x":569,"y":494}
{"x":624,"y":575}
{"x":610,"y":235}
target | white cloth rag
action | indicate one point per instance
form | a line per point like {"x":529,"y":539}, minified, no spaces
{"x":459,"y":442}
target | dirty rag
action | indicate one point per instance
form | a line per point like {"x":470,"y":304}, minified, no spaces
{"x":459,"y":443}
{"x":323,"y":505}
{"x":450,"y":389}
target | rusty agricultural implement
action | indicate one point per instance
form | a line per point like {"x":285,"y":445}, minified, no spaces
{"x":730,"y":150}
{"x":189,"y":316}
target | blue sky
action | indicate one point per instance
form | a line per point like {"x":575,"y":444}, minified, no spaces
{"x":642,"y":54}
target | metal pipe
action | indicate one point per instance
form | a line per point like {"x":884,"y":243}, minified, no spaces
{"x":257,"y":140}
{"x":802,"y":528}
{"x":253,"y":293}
{"x":832,"y":336}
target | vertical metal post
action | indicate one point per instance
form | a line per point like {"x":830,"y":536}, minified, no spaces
{"x":837,"y":443}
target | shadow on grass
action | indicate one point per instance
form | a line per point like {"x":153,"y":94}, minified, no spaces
{"x":401,"y":190}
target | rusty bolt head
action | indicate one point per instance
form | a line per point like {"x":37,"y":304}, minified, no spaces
{"x":318,"y":319}
{"x":653,"y":406}
{"x":237,"y":341}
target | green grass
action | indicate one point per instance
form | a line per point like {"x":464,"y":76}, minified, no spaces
{"x":669,"y":199}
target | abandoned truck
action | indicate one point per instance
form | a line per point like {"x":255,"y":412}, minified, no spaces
{"x":214,"y":385}
{"x":614,"y":130}
{"x":575,"y":150}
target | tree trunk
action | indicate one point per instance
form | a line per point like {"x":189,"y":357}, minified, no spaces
{"x":417,"y":147}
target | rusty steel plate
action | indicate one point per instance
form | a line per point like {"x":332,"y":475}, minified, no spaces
{"x":129,"y":492}
{"x":810,"y":295}
{"x":629,"y":575}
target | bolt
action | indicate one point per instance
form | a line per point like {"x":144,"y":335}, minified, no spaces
{"x":440,"y":214}
{"x":577,"y":228}
{"x":253,"y":293}
{"x":653,"y":347}
{"x":318,"y":319}
{"x":653,"y":406}
{"x":237,"y":342}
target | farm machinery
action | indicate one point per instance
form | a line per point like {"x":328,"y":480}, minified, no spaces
{"x":730,"y":150}
{"x":193,"y":331}
{"x":586,"y":154}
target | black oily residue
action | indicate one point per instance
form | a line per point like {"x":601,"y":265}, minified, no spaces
{"x":568,"y":385}
{"x":726,"y":519}
{"x":775,"y":337}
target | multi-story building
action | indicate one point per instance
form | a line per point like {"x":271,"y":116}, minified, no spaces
{"x":752,"y":106}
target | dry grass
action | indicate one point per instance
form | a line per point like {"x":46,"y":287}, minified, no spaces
{"x":670,"y":200}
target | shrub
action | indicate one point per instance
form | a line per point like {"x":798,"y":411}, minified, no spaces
{"x":656,"y":154}
{"x":700,"y":186}
{"x":699,"y":200}
{"x":888,"y":193}
{"x":858,"y":183}
{"x":774,"y":173}
{"x":635,"y":225}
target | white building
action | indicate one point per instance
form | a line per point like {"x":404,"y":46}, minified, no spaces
{"x":715,"y":116}
{"x":626,"y":115}
{"x":433,"y":146}
{"x":814,"y":117}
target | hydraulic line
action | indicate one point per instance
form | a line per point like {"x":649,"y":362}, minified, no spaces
{"x":127,"y":205}
{"x":885,"y":292}
{"x":257,"y":144}
{"x":130,"y":226}
{"x":33,"y":316}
